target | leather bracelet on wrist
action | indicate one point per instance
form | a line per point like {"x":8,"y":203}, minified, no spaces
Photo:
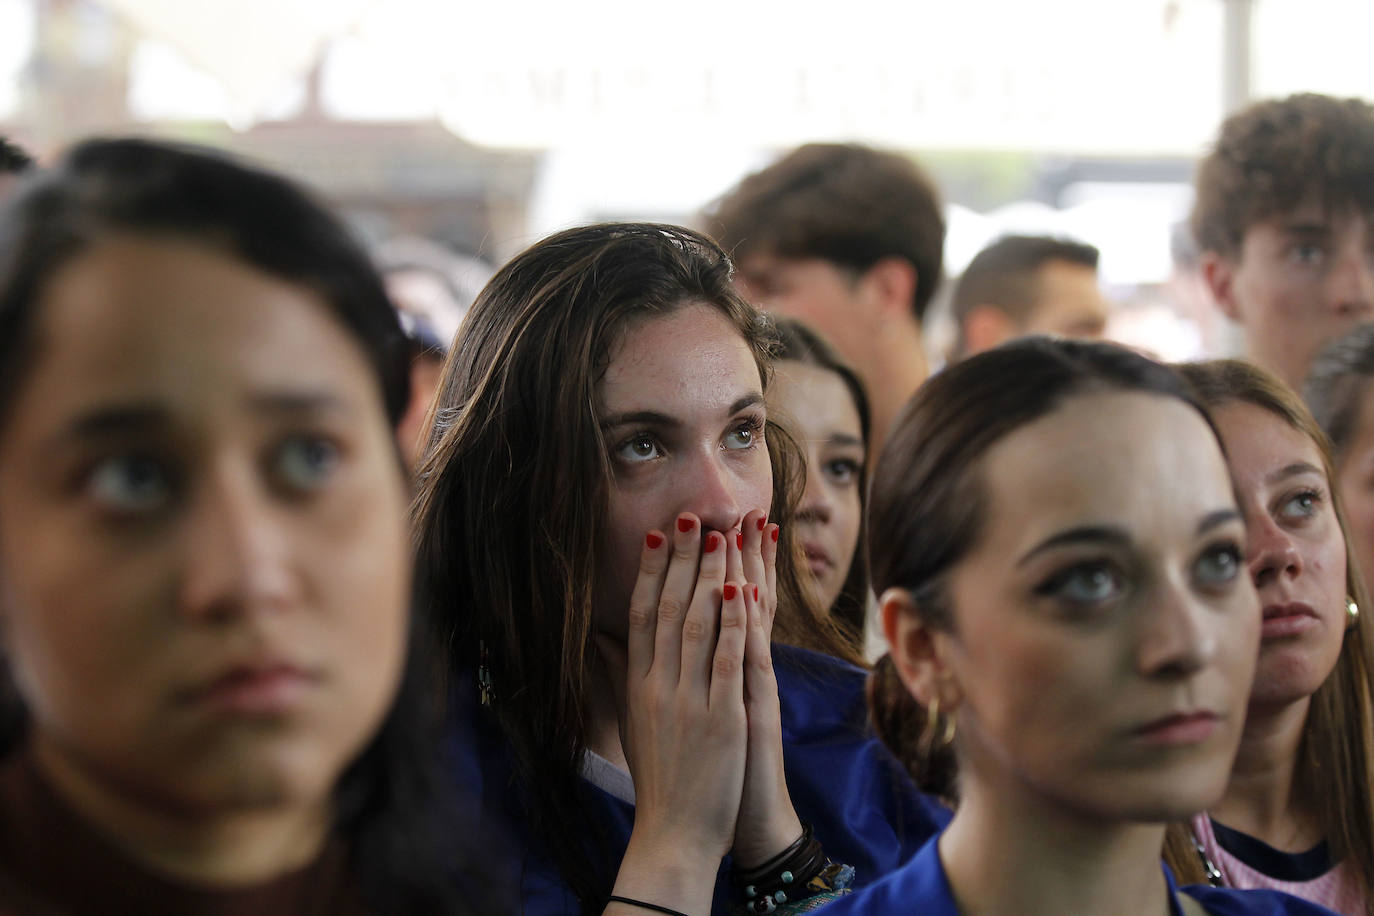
{"x":782,"y":878}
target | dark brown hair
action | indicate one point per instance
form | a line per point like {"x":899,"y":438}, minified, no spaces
{"x":1335,"y":386}
{"x":801,"y":343}
{"x":1273,"y":156}
{"x":1334,"y":760}
{"x":847,"y":204}
{"x":513,"y":492}
{"x":928,"y":503}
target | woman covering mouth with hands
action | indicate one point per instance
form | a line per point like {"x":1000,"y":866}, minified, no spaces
{"x":604,"y":528}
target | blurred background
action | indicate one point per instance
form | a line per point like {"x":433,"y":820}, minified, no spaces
{"x":454,"y":133}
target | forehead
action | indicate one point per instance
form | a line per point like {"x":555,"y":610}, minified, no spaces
{"x":815,"y":398}
{"x":1259,"y":443}
{"x":693,"y":356}
{"x":167,"y":320}
{"x":1146,"y":463}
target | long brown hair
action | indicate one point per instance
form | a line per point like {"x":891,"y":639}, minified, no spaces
{"x":513,"y":490}
{"x":1338,"y":738}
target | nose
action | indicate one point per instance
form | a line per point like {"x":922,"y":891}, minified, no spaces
{"x":235,"y":551}
{"x":1176,"y":638}
{"x":1351,"y":282}
{"x":816,"y":504}
{"x":713,"y":494}
{"x":1272,"y":553}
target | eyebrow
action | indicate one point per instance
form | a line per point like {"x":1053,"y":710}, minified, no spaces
{"x":1111,"y":534}
{"x":1307,"y":229}
{"x":846,"y":439}
{"x":146,"y":416}
{"x":1293,"y":470}
{"x":654,"y":418}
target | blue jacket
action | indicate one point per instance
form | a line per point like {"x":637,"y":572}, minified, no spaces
{"x":921,"y":886}
{"x":866,"y":810}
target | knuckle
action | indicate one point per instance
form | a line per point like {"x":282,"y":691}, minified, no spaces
{"x":695,"y":629}
{"x":726,"y":664}
{"x":670,"y":609}
{"x":640,"y":618}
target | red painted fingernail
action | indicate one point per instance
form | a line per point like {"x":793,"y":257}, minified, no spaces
{"x":685,"y":525}
{"x":775,"y":535}
{"x":653,"y":540}
{"x":739,"y":541}
{"x":712,"y":542}
{"x":763,"y":522}
{"x":728,"y":592}
{"x":756,"y":593}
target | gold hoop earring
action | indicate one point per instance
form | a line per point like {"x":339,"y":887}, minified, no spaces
{"x":1352,"y":612}
{"x":928,"y":742}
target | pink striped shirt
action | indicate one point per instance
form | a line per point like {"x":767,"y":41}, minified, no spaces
{"x":1336,"y":889}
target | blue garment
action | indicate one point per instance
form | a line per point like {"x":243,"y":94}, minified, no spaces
{"x":921,"y":886}
{"x":866,"y":810}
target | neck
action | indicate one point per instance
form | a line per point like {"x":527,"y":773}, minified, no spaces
{"x":1262,"y":798}
{"x":230,"y":848}
{"x":1017,"y":854}
{"x":897,"y":369}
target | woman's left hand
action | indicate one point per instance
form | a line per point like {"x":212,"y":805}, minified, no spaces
{"x":767,"y":822}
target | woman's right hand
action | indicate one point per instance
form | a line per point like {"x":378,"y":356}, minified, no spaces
{"x":684,"y":729}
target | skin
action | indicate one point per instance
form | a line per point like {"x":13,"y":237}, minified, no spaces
{"x":197,"y":478}
{"x":1296,"y":554}
{"x":1355,"y":478}
{"x":688,"y":668}
{"x":1069,"y":303}
{"x":821,"y":414}
{"x":1299,"y":281}
{"x":1105,"y":593}
{"x":867,"y":316}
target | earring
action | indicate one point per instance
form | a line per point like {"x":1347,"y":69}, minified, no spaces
{"x":1352,"y":612}
{"x":486,"y":692}
{"x":933,"y":722}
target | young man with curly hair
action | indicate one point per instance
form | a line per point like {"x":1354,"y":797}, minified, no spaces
{"x":1283,"y":217}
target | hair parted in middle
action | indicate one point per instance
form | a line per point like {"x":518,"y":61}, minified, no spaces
{"x":514,"y":486}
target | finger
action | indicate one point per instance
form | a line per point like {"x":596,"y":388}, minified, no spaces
{"x":676,"y":596}
{"x":643,"y":619}
{"x":734,"y":565}
{"x":703,"y":614}
{"x":760,"y":684}
{"x":771,"y":545}
{"x":727,"y":664}
{"x":753,"y":529}
{"x":615,"y":661}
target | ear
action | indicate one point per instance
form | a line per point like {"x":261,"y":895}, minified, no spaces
{"x":1219,"y":273}
{"x":891,"y":283}
{"x":987,"y":326}
{"x":920,"y":653}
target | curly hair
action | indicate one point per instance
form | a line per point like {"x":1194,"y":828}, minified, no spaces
{"x":1277,"y":154}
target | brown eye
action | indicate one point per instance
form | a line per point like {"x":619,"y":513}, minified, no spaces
{"x":639,"y":448}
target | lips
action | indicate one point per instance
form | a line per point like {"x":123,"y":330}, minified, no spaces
{"x":265,"y":687}
{"x":1285,"y":620}
{"x":1180,"y":729}
{"x":817,"y":557}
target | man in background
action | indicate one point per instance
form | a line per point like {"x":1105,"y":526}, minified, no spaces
{"x":1023,"y":284}
{"x":850,"y":240}
{"x":14,"y":161}
{"x":1282,"y":218}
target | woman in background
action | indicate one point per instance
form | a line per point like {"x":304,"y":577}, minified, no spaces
{"x":210,"y":699}
{"x":1298,"y":814}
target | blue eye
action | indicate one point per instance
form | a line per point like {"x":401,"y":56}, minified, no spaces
{"x":130,"y":484}
{"x":641,"y":447}
{"x":1218,"y":565}
{"x":1307,"y":253}
{"x":1301,"y":505}
{"x":1084,"y":584}
{"x":306,"y":463}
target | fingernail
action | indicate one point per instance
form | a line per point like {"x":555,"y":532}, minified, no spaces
{"x":739,"y":541}
{"x":775,"y":535}
{"x":654,"y":541}
{"x":763,"y":522}
{"x":712,"y":542}
{"x":756,"y":593}
{"x":728,"y":592}
{"x":685,"y":525}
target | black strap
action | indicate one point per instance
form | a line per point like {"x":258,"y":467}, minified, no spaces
{"x":630,"y":901}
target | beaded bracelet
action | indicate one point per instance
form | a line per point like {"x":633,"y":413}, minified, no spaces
{"x":784,"y":877}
